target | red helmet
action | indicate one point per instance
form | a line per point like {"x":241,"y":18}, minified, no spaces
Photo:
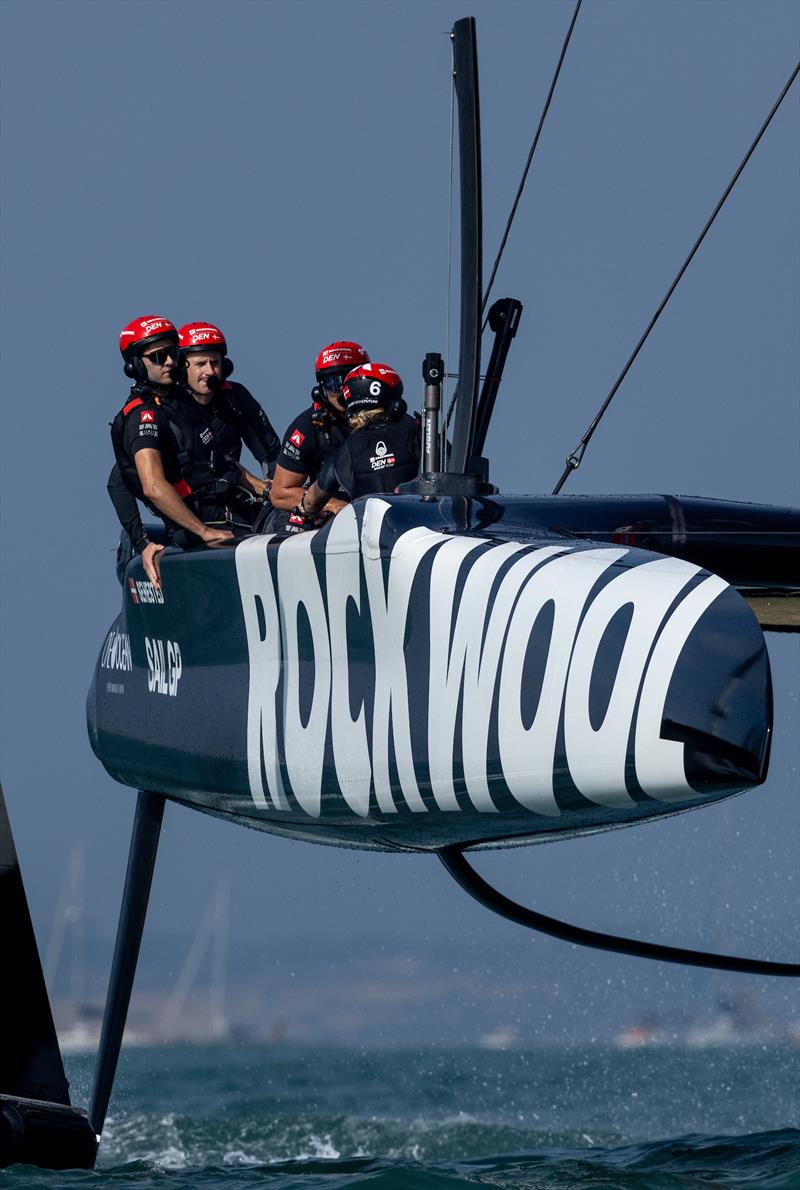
{"x":339,"y":357}
{"x":201,"y":336}
{"x":137,"y":334}
{"x":371,"y":386}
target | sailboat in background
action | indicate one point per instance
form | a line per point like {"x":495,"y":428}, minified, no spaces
{"x":77,"y":1020}
{"x":78,"y":1017}
{"x":212,"y":935}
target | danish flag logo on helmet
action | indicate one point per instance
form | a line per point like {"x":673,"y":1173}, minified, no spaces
{"x":194,"y":336}
{"x":141,"y":331}
{"x":341,"y":356}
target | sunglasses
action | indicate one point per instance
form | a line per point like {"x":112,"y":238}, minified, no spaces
{"x":161,"y":355}
{"x":333,"y":383}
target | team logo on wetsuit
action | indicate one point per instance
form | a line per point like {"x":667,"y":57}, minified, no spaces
{"x":296,"y":438}
{"x":381,"y":458}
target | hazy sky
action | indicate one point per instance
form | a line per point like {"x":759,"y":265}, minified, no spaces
{"x":282,"y":170}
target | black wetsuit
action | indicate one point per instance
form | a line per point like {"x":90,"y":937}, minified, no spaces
{"x":245,"y":422}
{"x":313,"y":437}
{"x":200,"y":446}
{"x":375,"y":458}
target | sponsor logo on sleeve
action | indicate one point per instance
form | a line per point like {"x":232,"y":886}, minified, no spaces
{"x":147,"y":415}
{"x":296,"y":438}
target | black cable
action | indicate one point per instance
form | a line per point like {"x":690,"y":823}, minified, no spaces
{"x":530,"y":158}
{"x":465,"y":875}
{"x":575,"y":458}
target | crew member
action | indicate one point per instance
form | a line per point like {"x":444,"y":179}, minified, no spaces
{"x":150,"y":438}
{"x":230,"y":408}
{"x":383,"y":448}
{"x":315,"y":434}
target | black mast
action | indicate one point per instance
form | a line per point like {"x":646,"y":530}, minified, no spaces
{"x":465,"y":62}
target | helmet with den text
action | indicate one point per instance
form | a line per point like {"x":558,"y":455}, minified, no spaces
{"x":138,"y":335}
{"x":335,"y":361}
{"x":204,"y":336}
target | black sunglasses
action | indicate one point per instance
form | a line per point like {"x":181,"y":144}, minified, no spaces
{"x":333,"y":382}
{"x":161,"y":355}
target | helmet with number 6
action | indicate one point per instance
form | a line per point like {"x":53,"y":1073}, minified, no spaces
{"x":371,"y":386}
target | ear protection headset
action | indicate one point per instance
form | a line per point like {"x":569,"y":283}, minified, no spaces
{"x":134,"y":369}
{"x":202,"y":336}
{"x":138,"y":336}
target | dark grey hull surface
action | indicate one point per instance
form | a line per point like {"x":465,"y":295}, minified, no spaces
{"x":420,"y":674}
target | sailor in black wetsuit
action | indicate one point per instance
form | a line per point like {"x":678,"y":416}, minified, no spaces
{"x":315,"y":434}
{"x":383,"y":448}
{"x":151,"y":460}
{"x":205,"y":371}
{"x":211,"y":417}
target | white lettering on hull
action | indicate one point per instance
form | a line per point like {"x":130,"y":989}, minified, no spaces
{"x":164,"y":666}
{"x":116,"y":652}
{"x":473,"y":662}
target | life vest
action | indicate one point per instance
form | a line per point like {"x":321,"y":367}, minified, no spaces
{"x":196,"y":477}
{"x":255,"y":428}
{"x":383,"y":455}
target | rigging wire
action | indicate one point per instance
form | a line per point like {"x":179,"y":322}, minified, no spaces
{"x":524,"y":177}
{"x":575,"y":458}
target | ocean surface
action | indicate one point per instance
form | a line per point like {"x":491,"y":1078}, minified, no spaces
{"x":220,"y":1117}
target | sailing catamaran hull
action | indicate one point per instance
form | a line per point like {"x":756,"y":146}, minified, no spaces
{"x":421,"y":674}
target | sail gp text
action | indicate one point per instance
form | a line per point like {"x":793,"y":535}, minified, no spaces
{"x":479,"y":727}
{"x":164,"y":666}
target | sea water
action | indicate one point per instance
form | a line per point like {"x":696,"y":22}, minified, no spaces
{"x":220,"y":1117}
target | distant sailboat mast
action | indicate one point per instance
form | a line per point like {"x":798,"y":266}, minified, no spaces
{"x":68,"y":916}
{"x":212,"y":934}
